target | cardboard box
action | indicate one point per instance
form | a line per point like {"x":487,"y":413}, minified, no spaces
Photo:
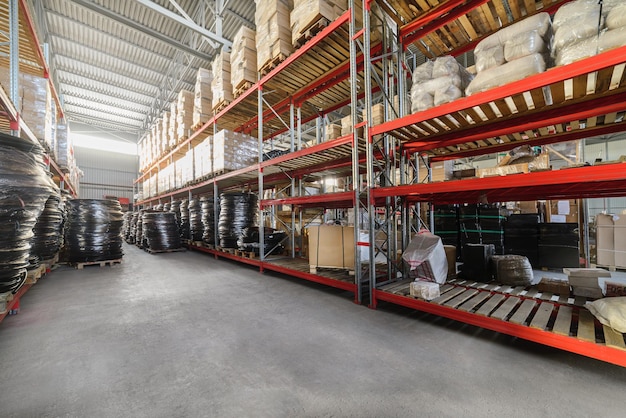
{"x":605,"y":240}
{"x":331,"y":246}
{"x":619,"y":238}
{"x":562,"y":211}
{"x":333,"y":131}
{"x":441,"y":170}
{"x":588,"y":292}
{"x":528,"y":206}
{"x":556,"y":286}
{"x":451,"y":257}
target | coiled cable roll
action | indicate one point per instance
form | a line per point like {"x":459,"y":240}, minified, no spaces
{"x":184,"y":219}
{"x":273,"y":238}
{"x":133,"y":228}
{"x":24,"y":189}
{"x":139,"y":230}
{"x":160,"y":231}
{"x":94,"y":230}
{"x":196,"y":229}
{"x":128,"y":216}
{"x":47,"y":237}
{"x":208,"y":219}
{"x":237,"y":212}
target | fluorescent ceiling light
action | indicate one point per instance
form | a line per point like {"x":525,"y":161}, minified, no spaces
{"x":103,"y":144}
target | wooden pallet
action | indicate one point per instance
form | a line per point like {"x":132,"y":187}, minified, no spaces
{"x":226,"y":250}
{"x":242,"y":87}
{"x":315,"y":269}
{"x":80,"y":266}
{"x":50,"y":262}
{"x":310,"y":32}
{"x":34,"y":275}
{"x":545,"y":315}
{"x":246,"y":254}
{"x":271,"y":64}
{"x":220,"y":106}
{"x":171,"y":250}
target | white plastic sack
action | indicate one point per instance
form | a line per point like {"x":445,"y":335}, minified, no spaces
{"x":447,"y":95}
{"x":610,"y":312}
{"x":507,"y":73}
{"x":575,"y":30}
{"x":445,"y":66}
{"x":525,"y":44}
{"x":421,"y":101}
{"x":612,"y":39}
{"x":431,"y":86}
{"x":426,"y":255}
{"x":616,"y":17}
{"x":489,"y":58}
{"x":577,"y":51}
{"x":574,"y":11}
{"x":423,"y":72}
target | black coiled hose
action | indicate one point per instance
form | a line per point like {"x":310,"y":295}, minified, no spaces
{"x":237,"y":212}
{"x":139,"y":229}
{"x":196,"y":228}
{"x":184,"y":219}
{"x":94,"y":230}
{"x":160,"y":231}
{"x":208,"y":220}
{"x":272,"y":238}
{"x":48,"y":235}
{"x":24,"y":190}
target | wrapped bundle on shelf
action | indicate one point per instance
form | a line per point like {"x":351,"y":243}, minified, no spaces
{"x":145,"y":188}
{"x":24,"y":190}
{"x":202,"y":157}
{"x":35,"y":97}
{"x":64,"y":149}
{"x":94,"y":230}
{"x":47,"y":237}
{"x":616,"y":18}
{"x":173,"y":128}
{"x":447,"y":82}
{"x":507,"y":73}
{"x":238,"y":212}
{"x":310,"y":16}
{"x":202,"y":98}
{"x":184,"y":115}
{"x":333,"y":131}
{"x":221,"y":86}
{"x":273,"y":36}
{"x":186,"y":169}
{"x":576,"y":21}
{"x":243,"y":60}
{"x":158,"y":144}
{"x":272,"y":240}
{"x":153,"y":187}
{"x":607,"y":40}
{"x":233,"y":151}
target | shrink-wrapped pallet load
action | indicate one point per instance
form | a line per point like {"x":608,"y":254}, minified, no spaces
{"x":171,"y":133}
{"x":64,"y":149}
{"x":202,"y":98}
{"x":307,"y":13}
{"x":221,"y":86}
{"x":158,"y":134}
{"x":184,"y":115}
{"x":203,"y":158}
{"x":512,"y":53}
{"x":438,"y":82}
{"x":233,"y":151}
{"x":273,"y":32}
{"x":243,"y":60}
{"x":584,"y":28}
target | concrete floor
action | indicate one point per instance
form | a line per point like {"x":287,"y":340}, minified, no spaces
{"x":185,"y":335}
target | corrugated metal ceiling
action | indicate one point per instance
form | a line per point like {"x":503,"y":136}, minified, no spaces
{"x":117,"y":63}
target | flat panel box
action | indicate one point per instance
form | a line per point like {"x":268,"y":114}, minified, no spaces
{"x":331,"y":246}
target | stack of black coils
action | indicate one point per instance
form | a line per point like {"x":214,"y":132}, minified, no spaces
{"x":47,"y":237}
{"x":184,"y":219}
{"x":24,"y":190}
{"x":94,"y":230}
{"x":237,"y":212}
{"x":139,"y":230}
{"x":272,"y":239}
{"x":208,"y":220}
{"x":160,"y":231}
{"x":196,"y":229}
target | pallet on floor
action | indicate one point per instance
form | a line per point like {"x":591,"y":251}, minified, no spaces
{"x":104,"y":263}
{"x":171,"y":250}
{"x":246,"y":254}
{"x":34,"y":275}
{"x":311,"y":30}
{"x":314,"y":269}
{"x":50,"y":262}
{"x":271,"y":64}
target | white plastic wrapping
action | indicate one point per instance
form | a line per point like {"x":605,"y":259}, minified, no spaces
{"x":489,"y":58}
{"x":421,"y":101}
{"x":612,"y":39}
{"x":575,"y":30}
{"x":426,"y":256}
{"x":507,"y":73}
{"x":527,"y":44}
{"x":616,"y":17}
{"x":446,"y":66}
{"x":424,"y":290}
{"x":423,"y":72}
{"x":539,"y":23}
{"x":431,"y":86}
{"x":609,"y":39}
{"x":574,"y":10}
{"x":447,"y":95}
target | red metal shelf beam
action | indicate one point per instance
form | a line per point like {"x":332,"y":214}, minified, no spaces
{"x":571,"y":344}
{"x":328,"y":200}
{"x":608,"y":180}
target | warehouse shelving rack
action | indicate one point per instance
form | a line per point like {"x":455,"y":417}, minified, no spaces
{"x":24,"y":55}
{"x":587,"y":99}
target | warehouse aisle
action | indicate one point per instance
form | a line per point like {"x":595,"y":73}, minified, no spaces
{"x":183,"y":334}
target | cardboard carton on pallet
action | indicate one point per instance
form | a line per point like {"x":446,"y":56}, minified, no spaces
{"x":202,"y":97}
{"x":308,"y":17}
{"x":165,"y":127}
{"x":273,"y":36}
{"x":221,"y":86}
{"x":243,"y":60}
{"x":184,"y":115}
{"x":171,"y":133}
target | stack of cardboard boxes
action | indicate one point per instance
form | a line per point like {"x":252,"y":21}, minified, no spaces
{"x":306,"y":13}
{"x":202,"y":97}
{"x":184,"y":115}
{"x":273,"y":36}
{"x":243,"y":69}
{"x":221,"y":86}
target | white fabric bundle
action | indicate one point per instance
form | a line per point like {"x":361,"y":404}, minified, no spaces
{"x":616,"y":17}
{"x":507,"y":73}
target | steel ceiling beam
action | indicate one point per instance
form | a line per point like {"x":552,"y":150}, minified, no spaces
{"x":141,"y":28}
{"x":185,"y":22}
{"x":146,"y":96}
{"x":96,"y":107}
{"x":121,"y":127}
